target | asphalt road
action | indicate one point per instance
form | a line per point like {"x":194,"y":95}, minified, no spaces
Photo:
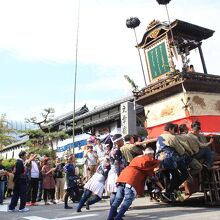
{"x":141,"y":209}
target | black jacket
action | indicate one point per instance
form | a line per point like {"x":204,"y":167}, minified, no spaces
{"x":19,"y":170}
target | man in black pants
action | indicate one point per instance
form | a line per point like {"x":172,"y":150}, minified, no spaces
{"x":72,"y":173}
{"x":20,"y":187}
{"x":174,"y":162}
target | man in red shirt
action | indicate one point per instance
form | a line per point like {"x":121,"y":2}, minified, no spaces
{"x":131,"y":182}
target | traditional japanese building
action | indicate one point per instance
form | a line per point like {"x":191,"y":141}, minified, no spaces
{"x":103,"y":121}
{"x":179,"y":94}
{"x":176,"y":92}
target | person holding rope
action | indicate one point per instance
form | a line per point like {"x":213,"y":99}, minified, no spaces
{"x":95,"y":185}
{"x":131,"y":182}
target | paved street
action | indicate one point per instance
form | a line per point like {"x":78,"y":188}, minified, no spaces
{"x":142,"y":208}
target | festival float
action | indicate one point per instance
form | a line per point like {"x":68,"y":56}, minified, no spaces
{"x":179,"y":94}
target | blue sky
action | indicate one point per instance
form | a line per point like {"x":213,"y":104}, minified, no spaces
{"x":37,"y":50}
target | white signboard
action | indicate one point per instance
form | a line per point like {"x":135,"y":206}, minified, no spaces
{"x":128,"y":118}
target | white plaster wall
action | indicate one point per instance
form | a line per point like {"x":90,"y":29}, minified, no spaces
{"x":171,"y":108}
{"x":9,"y":153}
{"x":114,"y":129}
{"x":204,"y":103}
{"x":166,"y":110}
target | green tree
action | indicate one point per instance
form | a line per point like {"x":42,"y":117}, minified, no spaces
{"x":40,"y":138}
{"x":47,"y":117}
{"x":5,"y":133}
{"x":9,"y":163}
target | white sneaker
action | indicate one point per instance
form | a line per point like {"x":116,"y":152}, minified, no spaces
{"x":155,"y":190}
{"x":23,"y":210}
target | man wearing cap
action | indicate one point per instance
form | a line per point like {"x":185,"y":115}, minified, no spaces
{"x":131,"y":182}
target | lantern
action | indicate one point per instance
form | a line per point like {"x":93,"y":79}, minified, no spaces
{"x":163,"y":2}
{"x":132,"y":22}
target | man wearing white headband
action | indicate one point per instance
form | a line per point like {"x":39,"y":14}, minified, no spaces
{"x":117,"y":138}
{"x":148,"y":150}
{"x":131,"y":182}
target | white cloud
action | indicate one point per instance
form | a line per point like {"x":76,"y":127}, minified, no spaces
{"x":46,"y":29}
{"x":107,"y":84}
{"x":38,"y":30}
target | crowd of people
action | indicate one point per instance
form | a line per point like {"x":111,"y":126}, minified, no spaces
{"x":35,"y":178}
{"x":122,"y":171}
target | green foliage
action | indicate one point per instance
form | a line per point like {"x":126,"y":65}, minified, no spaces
{"x":9,"y":164}
{"x":131,"y":82}
{"x":59,"y":135}
{"x":45,"y":150}
{"x":39,"y":139}
{"x":5,"y":137}
{"x":47,"y":115}
{"x":43,"y":136}
{"x":35,"y":134}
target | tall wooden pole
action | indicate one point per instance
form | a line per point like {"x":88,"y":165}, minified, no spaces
{"x":75,"y":77}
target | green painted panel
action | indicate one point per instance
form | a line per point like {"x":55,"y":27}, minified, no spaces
{"x":158,"y":60}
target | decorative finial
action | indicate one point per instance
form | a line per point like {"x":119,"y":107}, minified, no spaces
{"x":163,"y":2}
{"x":132,"y":22}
